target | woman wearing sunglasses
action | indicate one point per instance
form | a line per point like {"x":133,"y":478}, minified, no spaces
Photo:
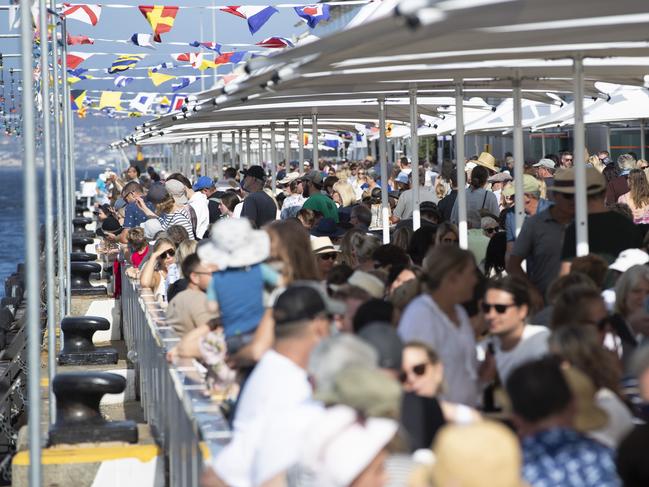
{"x":154,"y":272}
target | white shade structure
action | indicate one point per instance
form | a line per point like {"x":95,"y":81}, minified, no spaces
{"x":502,"y":118}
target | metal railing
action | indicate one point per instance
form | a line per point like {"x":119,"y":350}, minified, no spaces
{"x":186,"y":421}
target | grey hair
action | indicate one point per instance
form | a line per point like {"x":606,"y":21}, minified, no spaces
{"x":626,"y":283}
{"x":336,"y":354}
{"x":639,"y":360}
{"x":486,"y":221}
{"x":626,"y":162}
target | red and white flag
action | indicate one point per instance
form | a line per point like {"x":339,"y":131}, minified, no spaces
{"x":88,"y":14}
{"x":74,"y":59}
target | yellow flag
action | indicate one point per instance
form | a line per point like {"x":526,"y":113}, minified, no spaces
{"x":110,"y":99}
{"x":158,"y":78}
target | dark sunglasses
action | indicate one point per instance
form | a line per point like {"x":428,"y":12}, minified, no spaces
{"x":491,"y":230}
{"x":450,"y":240}
{"x":500,"y":308}
{"x":168,"y":253}
{"x":331,"y":256}
{"x":418,"y":370}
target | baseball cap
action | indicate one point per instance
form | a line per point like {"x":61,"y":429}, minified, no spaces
{"x":157,"y":193}
{"x":303,"y":301}
{"x":402,"y":177}
{"x":628,"y":258}
{"x":384,"y":339}
{"x":530,"y":184}
{"x":564,"y":181}
{"x":178,"y":191}
{"x":500,"y":177}
{"x":202,"y":183}
{"x":255,"y":172}
{"x":369,"y":283}
{"x":314,"y":176}
{"x":549,"y":163}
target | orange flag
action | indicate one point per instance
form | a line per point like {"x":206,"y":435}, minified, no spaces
{"x":160,"y":17}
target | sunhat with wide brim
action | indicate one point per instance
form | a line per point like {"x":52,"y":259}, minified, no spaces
{"x":234,"y":243}
{"x":564,"y":181}
{"x":289,"y":178}
{"x":487,"y":160}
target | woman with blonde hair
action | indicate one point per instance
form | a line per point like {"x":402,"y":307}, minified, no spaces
{"x":155,"y":270}
{"x":447,"y":233}
{"x":638,"y":196}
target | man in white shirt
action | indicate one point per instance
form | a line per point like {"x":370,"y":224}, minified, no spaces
{"x":506,"y":306}
{"x":279,"y":382}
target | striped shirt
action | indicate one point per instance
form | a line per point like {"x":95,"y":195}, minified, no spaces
{"x":180,"y":217}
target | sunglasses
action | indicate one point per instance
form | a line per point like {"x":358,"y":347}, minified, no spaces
{"x":568,"y":159}
{"x":418,"y":370}
{"x":491,"y":230}
{"x":450,"y":240}
{"x":331,"y":256}
{"x":500,"y":308}
{"x":168,"y":253}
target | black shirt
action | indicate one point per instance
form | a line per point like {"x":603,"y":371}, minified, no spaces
{"x":445,"y":206}
{"x":609,"y":233}
{"x":259,"y":208}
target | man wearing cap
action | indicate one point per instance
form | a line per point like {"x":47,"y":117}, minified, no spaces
{"x":545,"y":171}
{"x":498,"y":182}
{"x":280,"y":380}
{"x":532,"y":203}
{"x":258,"y":207}
{"x":133,"y":215}
{"x":205,"y":185}
{"x":405,"y":208}
{"x":317,"y":201}
{"x":609,"y":232}
{"x":540,"y":241}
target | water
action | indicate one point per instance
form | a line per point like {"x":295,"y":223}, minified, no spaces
{"x":12,"y":231}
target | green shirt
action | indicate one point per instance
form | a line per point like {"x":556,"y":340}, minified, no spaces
{"x":323,"y":204}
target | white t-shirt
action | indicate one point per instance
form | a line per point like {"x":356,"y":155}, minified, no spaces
{"x":533,"y":345}
{"x":276,"y":384}
{"x":620,"y":420}
{"x":424,"y":321}
{"x":198,"y":202}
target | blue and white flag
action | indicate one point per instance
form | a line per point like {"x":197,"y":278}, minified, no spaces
{"x":212,"y":46}
{"x":184,"y":82}
{"x":312,"y":14}
{"x":142,"y":40}
{"x":142,"y":102}
{"x":160,"y":66}
{"x":256,"y":15}
{"x":122,"y":81}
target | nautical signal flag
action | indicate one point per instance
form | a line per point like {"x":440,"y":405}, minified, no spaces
{"x":77,"y":40}
{"x":312,"y":14}
{"x":275,"y":42}
{"x":88,"y":14}
{"x":185,"y":81}
{"x":256,"y":15}
{"x":122,"y":81}
{"x":159,"y":78}
{"x":230,"y":57}
{"x":161,"y":18}
{"x":142,"y":102}
{"x":74,"y":59}
{"x":212,"y":46}
{"x":142,"y":40}
{"x":76,"y":99}
{"x":176,"y":103}
{"x":110,"y":99}
{"x":124,"y":62}
{"x":76,"y":75}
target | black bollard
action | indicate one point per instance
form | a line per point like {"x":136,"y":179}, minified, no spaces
{"x":78,"y":419}
{"x":80,"y":279}
{"x":79,"y":243}
{"x":80,"y":210}
{"x":78,"y":348}
{"x":82,"y":257}
{"x":80,"y":223}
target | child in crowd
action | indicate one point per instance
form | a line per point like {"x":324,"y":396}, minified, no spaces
{"x":137,"y":245}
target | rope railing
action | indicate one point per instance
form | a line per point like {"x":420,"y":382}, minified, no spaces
{"x":177,"y":404}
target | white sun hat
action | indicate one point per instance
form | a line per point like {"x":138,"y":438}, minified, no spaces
{"x":234,"y":243}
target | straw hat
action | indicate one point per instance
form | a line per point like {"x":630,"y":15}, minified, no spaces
{"x":590,"y":416}
{"x":322,"y":245}
{"x":465,"y":456}
{"x":234,"y":243}
{"x":564,"y":181}
{"x":488,"y":161}
{"x":289,"y":178}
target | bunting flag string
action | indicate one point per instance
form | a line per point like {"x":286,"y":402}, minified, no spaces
{"x":88,"y":14}
{"x":125,"y":62}
{"x":312,"y":14}
{"x":256,"y":15}
{"x":122,"y":81}
{"x":110,"y":99}
{"x":161,"y":18}
{"x":79,"y":40}
{"x":146,"y":40}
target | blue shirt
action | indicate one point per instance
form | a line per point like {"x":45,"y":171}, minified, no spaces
{"x":133,"y":216}
{"x":510,"y":218}
{"x":239,"y":294}
{"x":563,"y":457}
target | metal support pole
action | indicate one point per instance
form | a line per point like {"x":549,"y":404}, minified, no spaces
{"x":300,"y":143}
{"x":32,"y":275}
{"x":240,"y":149}
{"x":287,"y":145}
{"x":273,"y":158}
{"x":210,"y":154}
{"x":260,"y":146}
{"x":385,"y":208}
{"x":219,"y":155}
{"x":50,"y":279}
{"x":248,"y":149}
{"x":459,"y":161}
{"x":233,"y":158}
{"x":315,"y":164}
{"x":643,"y":142}
{"x":581,"y":203}
{"x":608,"y":140}
{"x":67,"y":189}
{"x":414,"y":157}
{"x":543,"y":143}
{"x":519,"y":166}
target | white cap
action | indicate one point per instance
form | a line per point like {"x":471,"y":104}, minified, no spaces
{"x":469,"y":166}
{"x":628,"y":258}
{"x":549,"y":163}
{"x":368,"y":283}
{"x":341,"y":445}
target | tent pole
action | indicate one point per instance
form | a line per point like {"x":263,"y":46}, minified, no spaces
{"x":300,"y":143}
{"x":315,"y":163}
{"x":240,"y":149}
{"x":581,"y":204}
{"x":233,"y":159}
{"x":273,"y":160}
{"x":287,"y":145}
{"x":385,"y":208}
{"x":519,"y":163}
{"x":32,"y":274}
{"x":210,"y":152}
{"x":248,"y":149}
{"x":459,"y":161}
{"x":219,"y":155}
{"x":414,"y":156}
{"x":543,"y":143}
{"x":642,"y":139}
{"x":608,"y":139}
{"x":67,"y":156}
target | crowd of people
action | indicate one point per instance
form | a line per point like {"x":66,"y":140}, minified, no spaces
{"x":344,"y":361}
